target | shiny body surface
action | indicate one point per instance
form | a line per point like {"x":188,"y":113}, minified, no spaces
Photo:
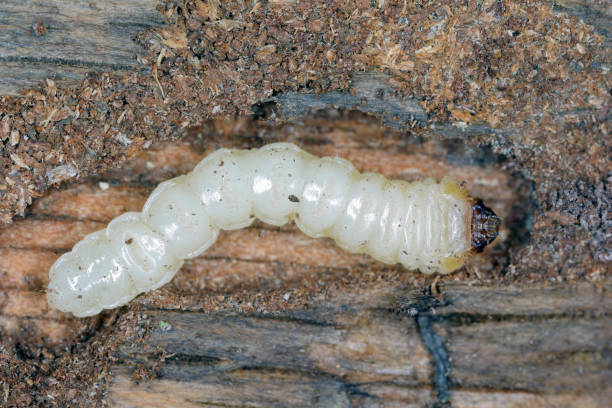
{"x":423,"y":225}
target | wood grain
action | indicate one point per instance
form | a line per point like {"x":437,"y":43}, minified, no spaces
{"x":65,"y":40}
{"x":270,"y":317}
{"x":369,"y":349}
{"x":260,"y":255}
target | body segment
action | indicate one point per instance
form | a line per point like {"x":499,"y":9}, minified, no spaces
{"x":423,"y":225}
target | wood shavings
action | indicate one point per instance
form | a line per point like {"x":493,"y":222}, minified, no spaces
{"x":19,"y":162}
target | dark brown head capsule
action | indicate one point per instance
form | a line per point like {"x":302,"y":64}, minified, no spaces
{"x":485,"y":225}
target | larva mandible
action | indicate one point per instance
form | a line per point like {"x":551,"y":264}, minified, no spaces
{"x":422,"y":225}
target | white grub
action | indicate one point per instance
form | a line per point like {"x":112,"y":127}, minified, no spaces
{"x":423,"y":225}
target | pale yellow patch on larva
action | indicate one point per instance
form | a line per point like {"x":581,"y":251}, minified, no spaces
{"x":450,"y":187}
{"x":452,"y":263}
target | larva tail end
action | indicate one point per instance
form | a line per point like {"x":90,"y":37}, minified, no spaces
{"x":485,"y":225}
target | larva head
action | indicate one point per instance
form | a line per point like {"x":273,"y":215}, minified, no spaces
{"x":485,"y":225}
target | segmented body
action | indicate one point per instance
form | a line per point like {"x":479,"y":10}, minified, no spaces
{"x":422,"y":225}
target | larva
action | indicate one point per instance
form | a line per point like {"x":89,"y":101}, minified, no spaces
{"x":423,"y":225}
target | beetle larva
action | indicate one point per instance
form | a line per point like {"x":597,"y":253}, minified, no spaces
{"x":422,"y":225}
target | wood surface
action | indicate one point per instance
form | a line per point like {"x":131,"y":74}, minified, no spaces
{"x":270,"y":317}
{"x":377,"y":349}
{"x":65,"y":40}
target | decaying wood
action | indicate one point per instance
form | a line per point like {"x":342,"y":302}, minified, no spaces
{"x":370,"y":349}
{"x":65,"y":40}
{"x":270,"y":317}
{"x":59,"y":220}
{"x":267,"y":316}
